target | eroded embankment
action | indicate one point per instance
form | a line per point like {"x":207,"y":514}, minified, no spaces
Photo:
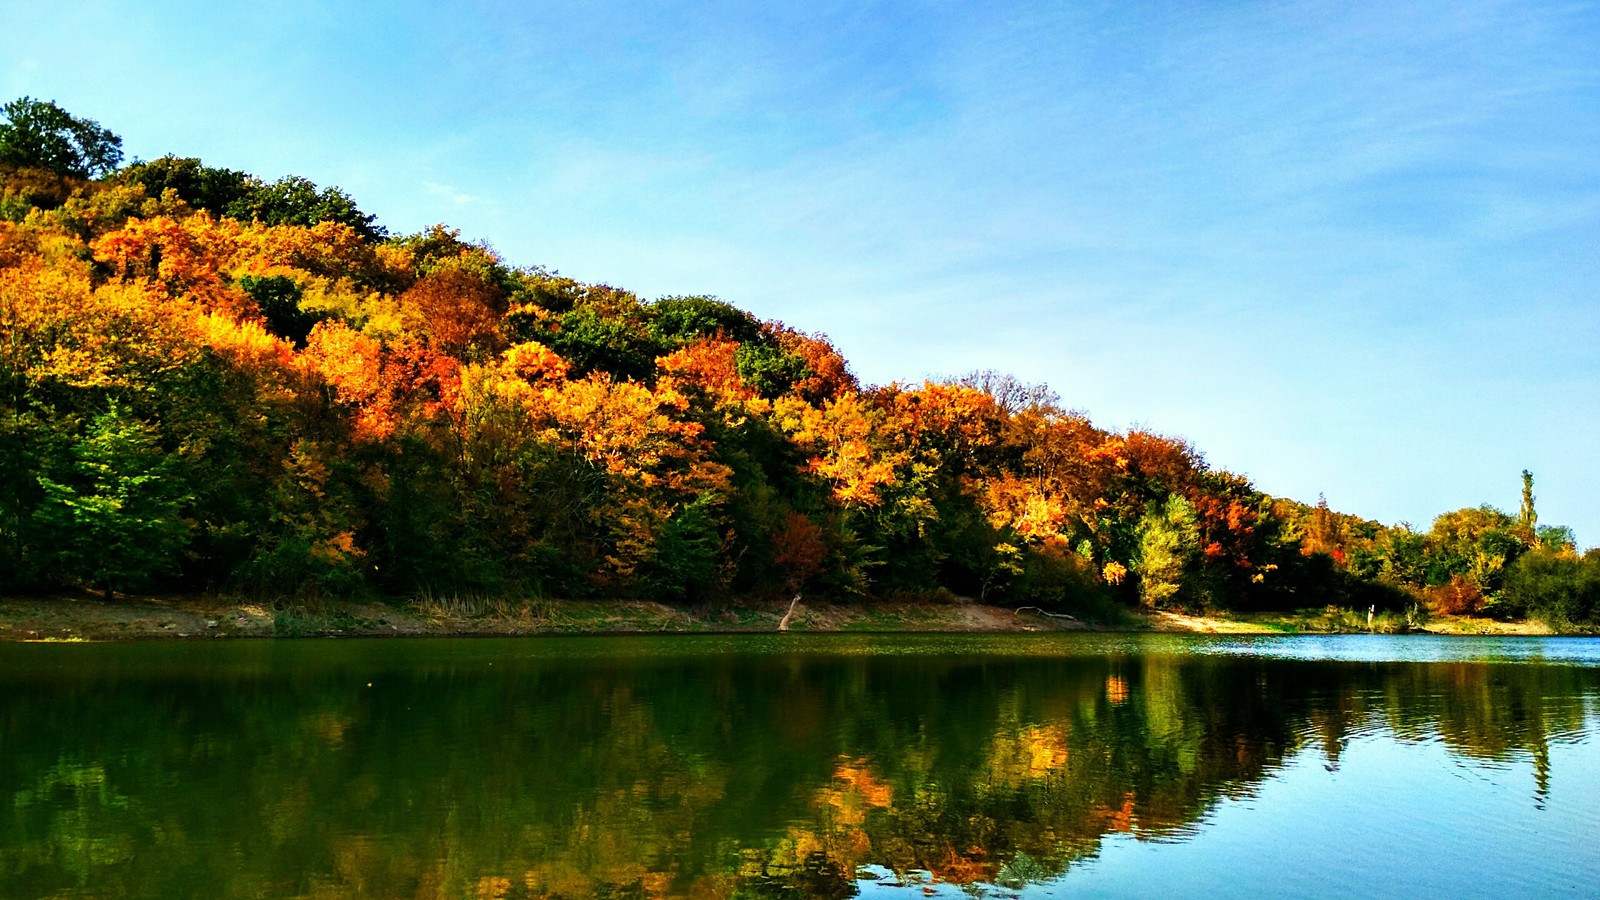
{"x":87,"y":617}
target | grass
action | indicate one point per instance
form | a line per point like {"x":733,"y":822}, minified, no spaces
{"x":871,"y":619}
{"x":489,"y":614}
{"x":477,"y":606}
{"x":309,"y":620}
{"x":1334,"y":620}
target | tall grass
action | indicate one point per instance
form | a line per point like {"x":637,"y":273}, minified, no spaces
{"x":434,"y":605}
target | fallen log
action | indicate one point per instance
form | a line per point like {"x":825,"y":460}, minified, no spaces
{"x":1021,"y":609}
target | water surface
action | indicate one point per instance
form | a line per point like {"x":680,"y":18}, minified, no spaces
{"x":801,"y":766}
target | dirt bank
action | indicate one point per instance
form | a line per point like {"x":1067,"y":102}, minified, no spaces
{"x":89,"y":617}
{"x":83,"y":617}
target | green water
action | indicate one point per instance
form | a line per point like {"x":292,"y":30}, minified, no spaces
{"x":801,"y":766}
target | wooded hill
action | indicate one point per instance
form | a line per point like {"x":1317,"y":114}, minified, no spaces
{"x":209,"y":381}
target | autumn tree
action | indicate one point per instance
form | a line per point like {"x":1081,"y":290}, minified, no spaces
{"x":457,"y":309}
{"x":301,"y":403}
{"x":827,"y":375}
{"x":1473,"y":545}
{"x":798,"y":551}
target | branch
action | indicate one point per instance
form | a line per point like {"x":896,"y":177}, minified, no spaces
{"x":1041,"y":612}
{"x":783,"y":624}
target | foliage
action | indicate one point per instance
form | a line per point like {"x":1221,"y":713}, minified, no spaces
{"x":1560,"y":587}
{"x":594,"y":342}
{"x":683,"y":562}
{"x":290,"y":200}
{"x":1168,"y":547}
{"x":293,"y":200}
{"x":39,"y":134}
{"x":195,"y":183}
{"x":278,"y":298}
{"x":109,"y":515}
{"x":229,"y":382}
{"x":682,"y":319}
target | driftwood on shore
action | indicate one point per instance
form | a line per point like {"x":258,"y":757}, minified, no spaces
{"x":1021,"y":609}
{"x":783,"y":624}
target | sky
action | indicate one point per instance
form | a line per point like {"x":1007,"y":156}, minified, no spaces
{"x":1348,"y":249}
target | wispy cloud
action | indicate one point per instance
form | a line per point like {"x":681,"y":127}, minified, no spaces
{"x":1345,"y":247}
{"x":449,"y":194}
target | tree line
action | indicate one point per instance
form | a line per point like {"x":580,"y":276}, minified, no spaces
{"x":211,"y":381}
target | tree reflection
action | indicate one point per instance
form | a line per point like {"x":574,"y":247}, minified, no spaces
{"x":708,"y":776}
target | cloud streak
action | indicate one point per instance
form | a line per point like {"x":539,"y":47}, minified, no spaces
{"x":1346,"y":248}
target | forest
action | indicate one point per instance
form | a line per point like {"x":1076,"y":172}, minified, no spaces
{"x":213,"y":382}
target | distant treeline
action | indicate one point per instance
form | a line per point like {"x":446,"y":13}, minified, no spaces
{"x":210,"y":381}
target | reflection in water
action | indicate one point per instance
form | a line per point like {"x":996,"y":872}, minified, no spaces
{"x":688,"y":767}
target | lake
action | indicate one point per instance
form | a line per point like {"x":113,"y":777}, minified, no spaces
{"x":802,"y":766}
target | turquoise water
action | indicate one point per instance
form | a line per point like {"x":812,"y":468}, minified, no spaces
{"x":802,"y":766}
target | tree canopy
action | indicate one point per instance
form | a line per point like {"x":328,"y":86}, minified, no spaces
{"x":232,"y":383}
{"x":40,"y":134}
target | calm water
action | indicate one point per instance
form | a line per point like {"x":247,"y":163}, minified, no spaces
{"x":802,"y":766}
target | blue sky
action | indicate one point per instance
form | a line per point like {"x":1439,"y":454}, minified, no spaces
{"x":1345,"y":248}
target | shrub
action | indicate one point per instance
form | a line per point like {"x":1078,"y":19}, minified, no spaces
{"x":1459,"y":597}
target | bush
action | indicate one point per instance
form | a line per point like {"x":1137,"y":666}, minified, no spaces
{"x":1459,"y":597}
{"x":1561,"y":588}
{"x":301,"y":567}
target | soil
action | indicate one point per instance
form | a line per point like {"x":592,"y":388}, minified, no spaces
{"x":90,"y":617}
{"x":1166,"y":620}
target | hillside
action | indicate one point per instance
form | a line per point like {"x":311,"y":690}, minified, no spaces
{"x":210,"y":382}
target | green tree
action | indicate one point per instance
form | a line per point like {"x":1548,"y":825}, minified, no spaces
{"x":1561,"y":588}
{"x":24,"y":439}
{"x":42,"y":135}
{"x":595,"y":342}
{"x":1528,"y":517}
{"x":1557,"y":538}
{"x":293,"y":200}
{"x":683,"y":565}
{"x":769,"y":370}
{"x":1402,"y":555}
{"x":1474,"y":544}
{"x":199,"y":185}
{"x":682,"y":319}
{"x":1169,"y":539}
{"x":112,"y":518}
{"x":279,"y":299}
{"x":290,"y":200}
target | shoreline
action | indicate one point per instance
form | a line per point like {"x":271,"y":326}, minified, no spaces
{"x":65,"y":617}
